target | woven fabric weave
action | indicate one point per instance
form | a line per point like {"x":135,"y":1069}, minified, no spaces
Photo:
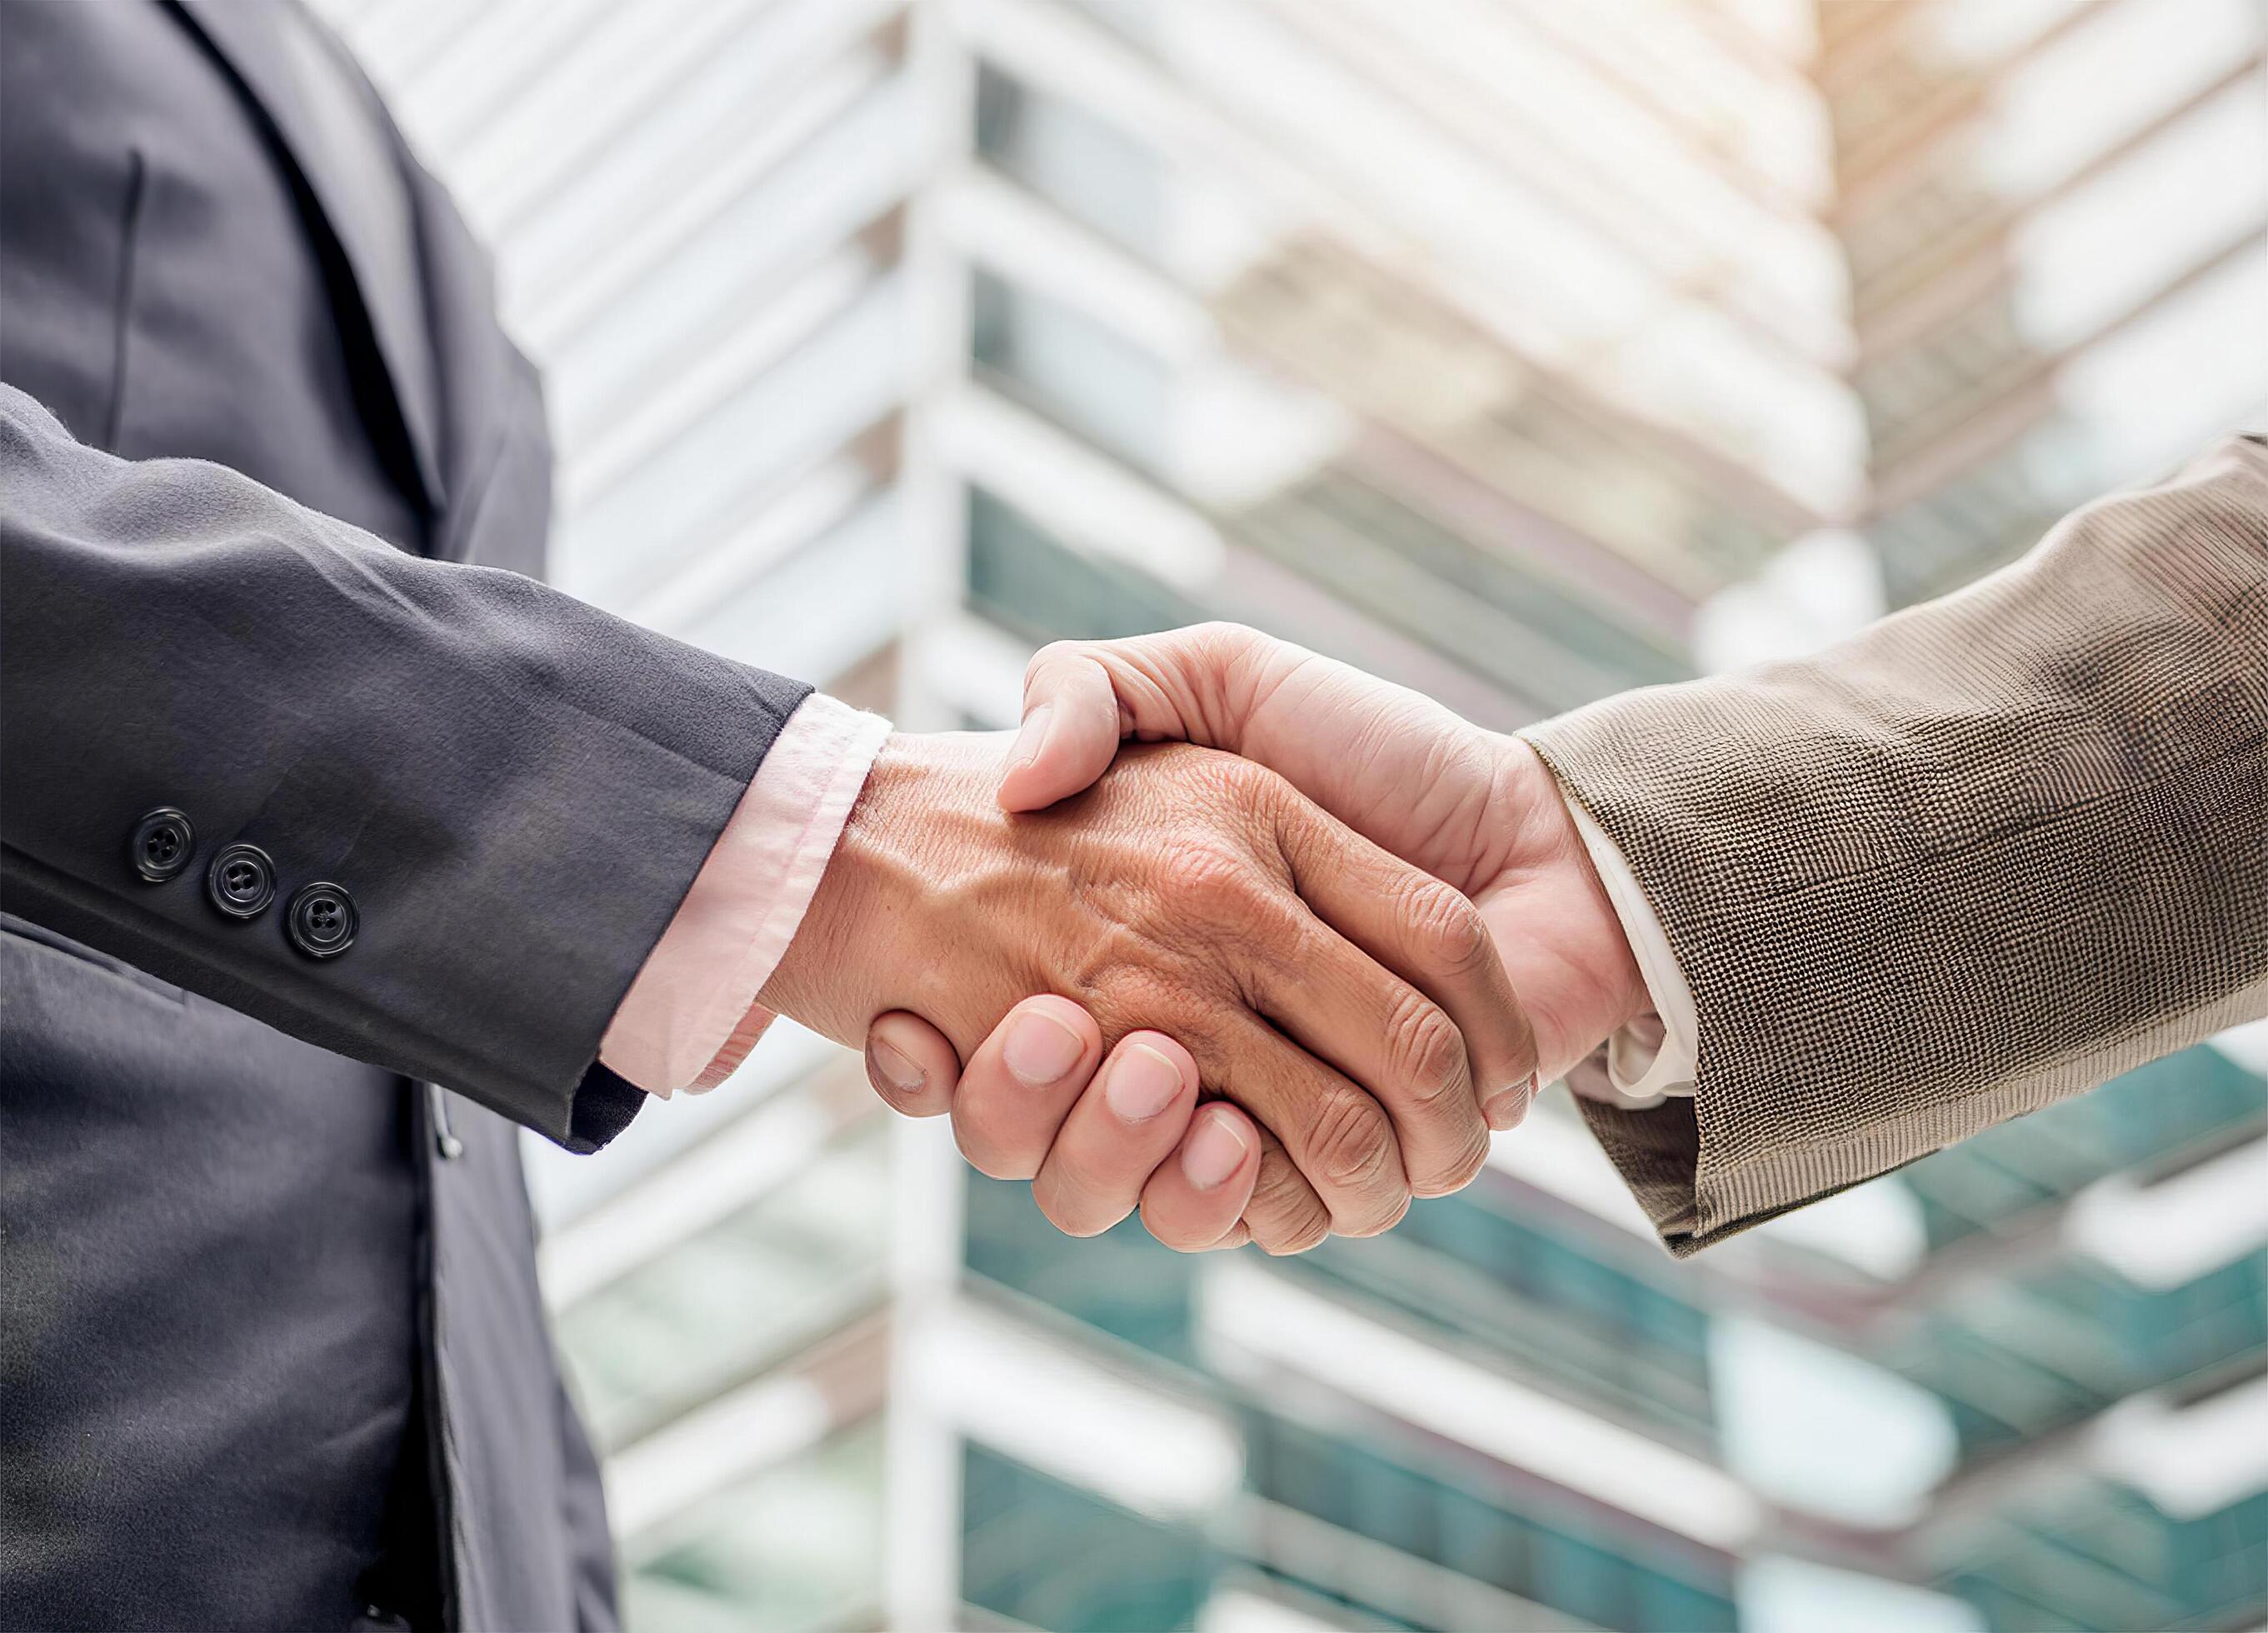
{"x":1994,"y":851}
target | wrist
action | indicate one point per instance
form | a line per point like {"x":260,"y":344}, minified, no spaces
{"x":867,"y":941}
{"x":1621,"y":981}
{"x":835,"y":955}
{"x":1565,"y":945}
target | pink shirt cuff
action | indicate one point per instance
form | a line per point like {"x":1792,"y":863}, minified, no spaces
{"x":690,"y":1017}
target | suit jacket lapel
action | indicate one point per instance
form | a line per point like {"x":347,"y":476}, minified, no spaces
{"x":245,"y":37}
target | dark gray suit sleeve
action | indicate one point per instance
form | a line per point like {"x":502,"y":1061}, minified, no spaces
{"x":515,"y":788}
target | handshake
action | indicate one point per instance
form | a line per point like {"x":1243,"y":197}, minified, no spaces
{"x":1294,"y":958}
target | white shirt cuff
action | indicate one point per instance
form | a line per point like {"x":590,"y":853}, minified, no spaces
{"x":1653,"y":1058}
{"x":691,"y":1016}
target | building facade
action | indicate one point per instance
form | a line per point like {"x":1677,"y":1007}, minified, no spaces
{"x":1519,"y":351}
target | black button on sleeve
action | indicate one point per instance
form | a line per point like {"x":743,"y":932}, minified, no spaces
{"x":241,"y":881}
{"x":162,"y":843}
{"x":321,"y":920}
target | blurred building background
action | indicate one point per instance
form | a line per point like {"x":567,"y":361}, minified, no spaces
{"x":1520,"y":351}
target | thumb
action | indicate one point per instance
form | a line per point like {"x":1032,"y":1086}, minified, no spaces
{"x":912,"y":1064}
{"x":1081,"y":698}
{"x":1072,"y":723}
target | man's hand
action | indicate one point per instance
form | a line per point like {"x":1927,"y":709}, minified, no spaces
{"x":1196,"y":895}
{"x":1094,"y":1145}
{"x":1474,"y":808}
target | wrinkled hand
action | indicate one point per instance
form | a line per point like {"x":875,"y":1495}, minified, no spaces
{"x":1477,"y":809}
{"x":1196,"y":895}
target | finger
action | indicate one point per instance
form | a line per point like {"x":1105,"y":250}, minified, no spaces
{"x":1020,"y":1084}
{"x":1333,"y":1133}
{"x":1129,"y":1119}
{"x":1285,"y":1215}
{"x":1194,"y":1200}
{"x":912,"y":1064}
{"x":1337,"y":1002}
{"x":1083,"y":698}
{"x":1430,"y":934}
{"x":1073,"y":724}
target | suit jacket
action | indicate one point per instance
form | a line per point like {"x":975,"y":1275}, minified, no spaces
{"x":256,"y":1277}
{"x":1992,"y":852}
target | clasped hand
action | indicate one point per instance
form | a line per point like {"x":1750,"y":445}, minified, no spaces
{"x":1316,"y":920}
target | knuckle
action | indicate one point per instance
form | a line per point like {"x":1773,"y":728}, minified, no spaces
{"x":1122,"y":986}
{"x":1450,"y":935}
{"x":1157,"y":986}
{"x":1200,"y":866}
{"x":1217,"y":885}
{"x":1241,"y":791}
{"x":1263,"y":792}
{"x":1427,"y":1053}
{"x":1349,"y":1143}
{"x":1222,"y":633}
{"x":1371,"y":1209}
{"x":1379,"y":1224}
{"x":1224,"y":646}
{"x":1285,"y":1216}
{"x":1458,"y":1173}
{"x":1309,"y":1231}
{"x":1053,"y":654}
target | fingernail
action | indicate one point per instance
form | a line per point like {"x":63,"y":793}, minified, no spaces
{"x":1034,"y":734}
{"x":1507,"y":1110}
{"x":1041,"y":1050}
{"x":894,"y":1067}
{"x":1142,"y":1083}
{"x":1214,"y":1151}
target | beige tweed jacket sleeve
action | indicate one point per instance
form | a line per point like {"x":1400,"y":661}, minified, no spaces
{"x":1993,"y":851}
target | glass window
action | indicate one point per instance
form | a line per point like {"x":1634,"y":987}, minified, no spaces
{"x":696,"y":488}
{"x":2191,"y":191}
{"x":1063,"y":363}
{"x":755,"y":99}
{"x":855,"y":570}
{"x":2030,"y":1354}
{"x":1488,"y":1530}
{"x":720,"y":1306}
{"x":2093,"y":1554}
{"x":1449,"y":590}
{"x":1724,"y":92}
{"x":797,"y":1547}
{"x":1031,"y":1547}
{"x":832,"y":184}
{"x":1956,"y":33}
{"x":2105,"y":78}
{"x":591,"y":134}
{"x":2151,"y":394}
{"x":1021,"y":579}
{"x":1122,"y":1283}
{"x":2184,"y":1102}
{"x":1460,"y":1266}
{"x":1087,"y":169}
{"x":1393,"y":350}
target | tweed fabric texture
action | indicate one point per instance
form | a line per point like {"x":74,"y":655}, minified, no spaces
{"x":1993,"y":851}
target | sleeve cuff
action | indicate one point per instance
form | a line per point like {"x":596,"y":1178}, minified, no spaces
{"x":690,"y":1017}
{"x":1653,"y":1058}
